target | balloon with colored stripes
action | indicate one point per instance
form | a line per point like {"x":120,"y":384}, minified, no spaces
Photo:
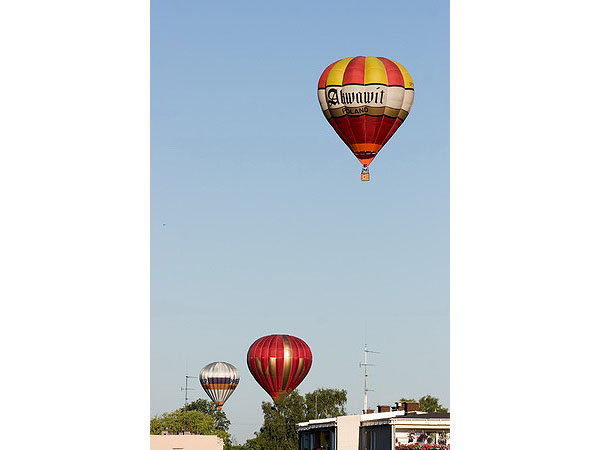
{"x":365,"y":99}
{"x":219,"y":380}
{"x":279,"y":363}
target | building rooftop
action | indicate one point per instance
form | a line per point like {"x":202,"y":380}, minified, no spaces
{"x":386,"y":417}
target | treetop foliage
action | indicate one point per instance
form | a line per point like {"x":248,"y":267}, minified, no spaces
{"x":207,"y":407}
{"x":280,"y":417}
{"x":180,"y":421}
{"x":429,"y":403}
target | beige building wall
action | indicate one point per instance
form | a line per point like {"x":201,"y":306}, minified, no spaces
{"x":185,"y":442}
{"x":347,"y":432}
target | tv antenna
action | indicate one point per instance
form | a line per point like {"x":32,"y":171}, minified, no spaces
{"x":186,"y":388}
{"x":366,"y":365}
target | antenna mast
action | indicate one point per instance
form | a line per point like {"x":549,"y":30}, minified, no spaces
{"x":186,"y":388}
{"x":366,"y":364}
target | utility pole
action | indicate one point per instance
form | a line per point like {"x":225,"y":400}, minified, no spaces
{"x":186,"y":388}
{"x":366,"y":364}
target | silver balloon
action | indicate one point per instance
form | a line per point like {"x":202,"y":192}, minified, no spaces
{"x":219,"y":380}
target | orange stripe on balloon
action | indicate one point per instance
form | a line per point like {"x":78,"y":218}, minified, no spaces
{"x":369,"y":151}
{"x":365,"y":147}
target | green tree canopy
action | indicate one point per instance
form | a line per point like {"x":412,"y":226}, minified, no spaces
{"x":431,"y":404}
{"x":323,"y":403}
{"x":180,"y":421}
{"x":207,"y":407}
{"x":279,"y":426}
{"x":280,"y":417}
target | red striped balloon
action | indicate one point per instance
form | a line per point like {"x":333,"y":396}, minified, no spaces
{"x":365,"y":99}
{"x":279,"y":363}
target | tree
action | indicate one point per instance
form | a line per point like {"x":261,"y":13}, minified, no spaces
{"x":325,"y":403}
{"x":278,"y":431}
{"x":207,"y":407}
{"x":180,"y":421}
{"x":279,"y":427}
{"x":429,"y":403}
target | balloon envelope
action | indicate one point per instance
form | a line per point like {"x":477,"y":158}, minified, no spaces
{"x":279,"y":363}
{"x":219,"y":380}
{"x":365,"y":99}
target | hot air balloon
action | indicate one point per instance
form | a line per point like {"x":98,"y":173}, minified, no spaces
{"x":219,"y":380}
{"x":365,"y":99}
{"x":279,"y":363}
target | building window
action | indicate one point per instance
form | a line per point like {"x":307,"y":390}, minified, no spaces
{"x":323,"y":439}
{"x":375,"y":437}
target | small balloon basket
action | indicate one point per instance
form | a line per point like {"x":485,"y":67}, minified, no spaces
{"x":364,"y":174}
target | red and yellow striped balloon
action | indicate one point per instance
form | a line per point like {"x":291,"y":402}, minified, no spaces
{"x":279,"y":363}
{"x":365,"y":99}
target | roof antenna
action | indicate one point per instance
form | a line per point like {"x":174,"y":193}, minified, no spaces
{"x":186,"y":389}
{"x":366,"y":364}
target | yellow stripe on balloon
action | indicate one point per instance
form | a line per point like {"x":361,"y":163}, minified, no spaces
{"x":375,"y":71}
{"x":287,"y":360}
{"x":408,"y":82}
{"x":336,"y":74}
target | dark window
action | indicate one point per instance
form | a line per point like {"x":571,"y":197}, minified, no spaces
{"x":378,"y":437}
{"x":322,"y":438}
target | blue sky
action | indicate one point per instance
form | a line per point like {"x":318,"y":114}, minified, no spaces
{"x":268,"y":228}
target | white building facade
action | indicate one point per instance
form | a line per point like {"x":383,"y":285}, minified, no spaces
{"x":375,"y":431}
